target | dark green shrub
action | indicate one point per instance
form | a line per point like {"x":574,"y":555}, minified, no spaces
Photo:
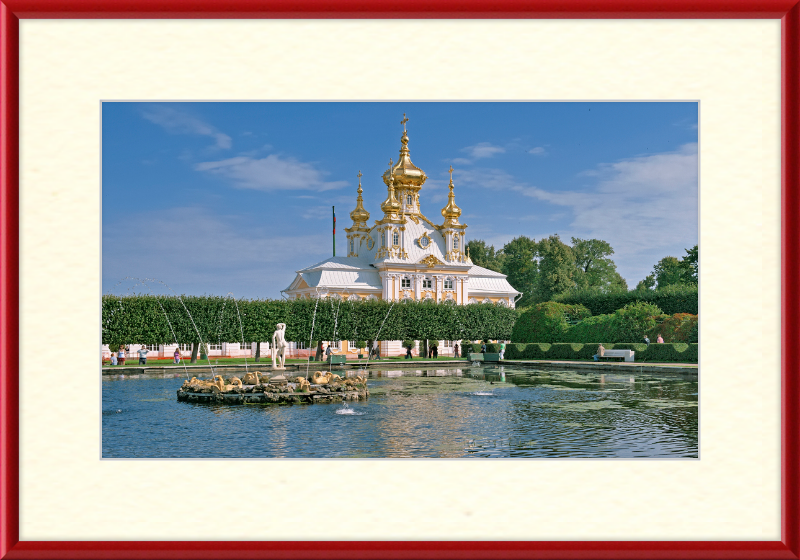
{"x":680,"y":327}
{"x":672,"y":299}
{"x":408,"y":343}
{"x":475,"y":347}
{"x":596,"y":329}
{"x":667,"y":352}
{"x":492,"y":348}
{"x":677,"y":352}
{"x":546,"y":322}
{"x":564,"y":351}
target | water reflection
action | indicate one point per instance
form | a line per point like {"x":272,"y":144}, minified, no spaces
{"x":487,"y":411}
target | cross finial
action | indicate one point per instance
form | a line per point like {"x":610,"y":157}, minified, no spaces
{"x":391,"y":163}
{"x":451,"y":173}
{"x":359,"y":176}
{"x":404,"y":121}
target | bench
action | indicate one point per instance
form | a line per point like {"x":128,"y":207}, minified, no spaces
{"x":627,"y":355}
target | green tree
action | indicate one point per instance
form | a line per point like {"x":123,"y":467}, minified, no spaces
{"x":519,"y":266}
{"x":668,"y":271}
{"x":649,"y":283}
{"x":593,"y":267}
{"x":556,"y":267}
{"x":691,"y":266}
{"x":485,"y":255}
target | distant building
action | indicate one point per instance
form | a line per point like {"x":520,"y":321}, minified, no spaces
{"x":404,"y":255}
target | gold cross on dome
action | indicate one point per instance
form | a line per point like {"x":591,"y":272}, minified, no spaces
{"x":359,"y":176}
{"x":391,"y":163}
{"x":404,"y":121}
{"x":451,"y":173}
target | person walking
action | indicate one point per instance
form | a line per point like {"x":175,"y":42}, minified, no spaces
{"x":408,"y":353}
{"x":435,"y":352}
{"x":328,"y":352}
{"x":376,"y":348}
{"x":121,"y":355}
{"x":659,"y":340}
{"x":142,"y":355}
{"x":456,"y":353}
{"x":502,"y":349}
{"x":176,"y":357}
{"x":483,"y":348}
{"x":646,"y":340}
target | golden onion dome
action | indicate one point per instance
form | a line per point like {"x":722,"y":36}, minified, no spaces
{"x":451,"y":212}
{"x":391,"y":205}
{"x":406,"y":174}
{"x":359,"y":215}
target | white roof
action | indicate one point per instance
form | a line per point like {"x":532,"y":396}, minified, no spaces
{"x":338,"y":272}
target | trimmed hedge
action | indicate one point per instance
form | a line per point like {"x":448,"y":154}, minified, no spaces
{"x":676,"y":352}
{"x":144,"y":319}
{"x":671,"y":299}
{"x":546,"y":322}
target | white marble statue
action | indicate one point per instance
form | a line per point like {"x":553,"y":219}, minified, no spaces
{"x":279,"y":346}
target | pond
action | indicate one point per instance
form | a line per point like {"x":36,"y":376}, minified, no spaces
{"x":476,"y":412}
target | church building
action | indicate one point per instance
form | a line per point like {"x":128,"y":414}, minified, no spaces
{"x":404,"y":255}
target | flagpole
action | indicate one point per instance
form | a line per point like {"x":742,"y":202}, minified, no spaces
{"x":334,"y":230}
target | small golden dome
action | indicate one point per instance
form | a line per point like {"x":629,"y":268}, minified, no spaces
{"x":359,"y":215}
{"x":406,"y":174}
{"x":391,"y":205}
{"x":451,"y":212}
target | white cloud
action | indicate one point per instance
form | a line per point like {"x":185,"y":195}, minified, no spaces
{"x":179,"y":122}
{"x":462,"y":161}
{"x":197,"y":252}
{"x":538,"y":151}
{"x":644,"y":206}
{"x":483,"y":150}
{"x":270,"y":173}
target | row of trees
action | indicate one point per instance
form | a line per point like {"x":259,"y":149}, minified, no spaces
{"x":542,"y":269}
{"x":671,"y":271}
{"x":547,"y":268}
{"x":146,"y":319}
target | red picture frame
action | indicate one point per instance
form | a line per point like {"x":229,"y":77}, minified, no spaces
{"x":11,"y":11}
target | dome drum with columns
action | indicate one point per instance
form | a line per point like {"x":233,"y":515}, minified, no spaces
{"x":404,"y":255}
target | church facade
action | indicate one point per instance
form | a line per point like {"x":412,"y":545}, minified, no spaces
{"x":404,"y":255}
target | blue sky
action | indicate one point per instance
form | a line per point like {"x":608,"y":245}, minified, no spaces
{"x":218,"y":198}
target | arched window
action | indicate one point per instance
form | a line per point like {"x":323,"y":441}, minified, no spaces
{"x":455,"y":242}
{"x":448,"y":284}
{"x":410,"y":200}
{"x":383,"y":239}
{"x":352,"y":246}
{"x":396,"y":238}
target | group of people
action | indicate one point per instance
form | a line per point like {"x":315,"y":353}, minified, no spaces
{"x":118,"y":357}
{"x":659,"y":340}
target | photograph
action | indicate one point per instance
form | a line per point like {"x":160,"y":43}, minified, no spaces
{"x":387,"y":279}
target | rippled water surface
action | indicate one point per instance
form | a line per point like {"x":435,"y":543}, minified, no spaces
{"x":491,"y":411}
